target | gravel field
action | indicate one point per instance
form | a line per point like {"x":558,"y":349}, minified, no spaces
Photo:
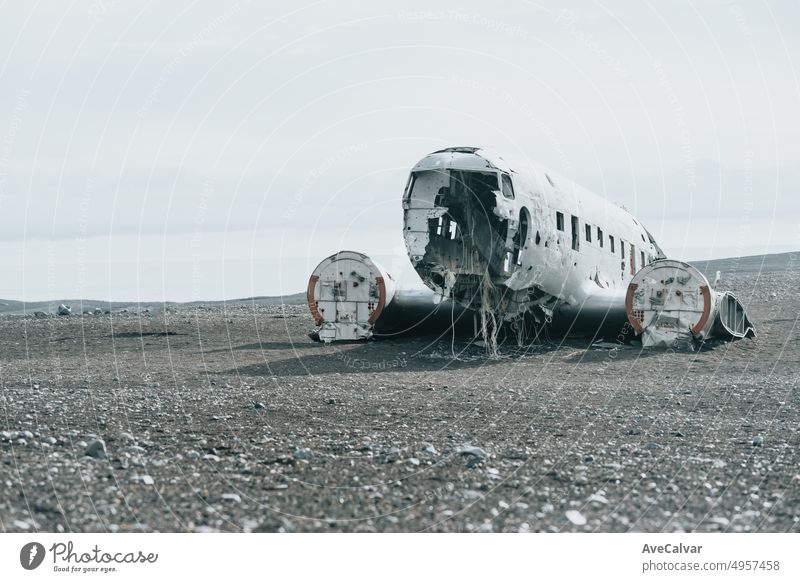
{"x":226,"y":417}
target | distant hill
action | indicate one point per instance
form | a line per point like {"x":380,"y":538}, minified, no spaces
{"x":752,"y":264}
{"x":12,"y":307}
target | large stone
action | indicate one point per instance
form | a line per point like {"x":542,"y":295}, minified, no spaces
{"x":95,"y":448}
{"x":575,"y":517}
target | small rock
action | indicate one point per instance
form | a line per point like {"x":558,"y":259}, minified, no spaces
{"x":474,"y":455}
{"x":430,"y":449}
{"x":575,"y":517}
{"x":598,"y":498}
{"x":231,"y":497}
{"x":143,"y":479}
{"x":413,"y":461}
{"x":192,"y":455}
{"x":758,"y":441}
{"x":259,"y":405}
{"x":64,"y":310}
{"x":302,"y":454}
{"x":95,"y":449}
{"x":390,"y":455}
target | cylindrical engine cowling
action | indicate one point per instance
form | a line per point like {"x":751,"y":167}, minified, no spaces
{"x":346,"y":294}
{"x":670,"y":301}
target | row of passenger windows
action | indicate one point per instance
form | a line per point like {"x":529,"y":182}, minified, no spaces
{"x":599,"y":235}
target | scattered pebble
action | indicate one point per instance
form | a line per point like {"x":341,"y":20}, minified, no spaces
{"x":302,"y":454}
{"x":474,"y":455}
{"x":575,"y":517}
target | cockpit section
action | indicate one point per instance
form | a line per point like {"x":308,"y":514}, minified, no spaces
{"x":460,"y":226}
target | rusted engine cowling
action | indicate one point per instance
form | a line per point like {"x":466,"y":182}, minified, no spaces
{"x":670,"y":303}
{"x":346,"y":294}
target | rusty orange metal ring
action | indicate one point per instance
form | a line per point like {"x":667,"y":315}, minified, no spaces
{"x":635,"y":323}
{"x":706,"y":310}
{"x":376,"y":313}
{"x":312,"y":303}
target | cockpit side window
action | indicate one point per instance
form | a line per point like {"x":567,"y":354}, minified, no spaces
{"x":508,"y":188}
{"x":410,"y":186}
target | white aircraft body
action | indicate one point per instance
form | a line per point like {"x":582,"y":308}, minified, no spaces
{"x":512,"y":239}
{"x":518,"y":247}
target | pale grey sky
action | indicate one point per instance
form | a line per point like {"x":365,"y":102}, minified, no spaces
{"x":172,"y":150}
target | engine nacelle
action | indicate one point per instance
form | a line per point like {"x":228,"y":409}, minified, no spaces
{"x":346,"y":294}
{"x":671,"y":302}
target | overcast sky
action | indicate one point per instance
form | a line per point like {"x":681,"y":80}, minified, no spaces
{"x":180,"y":151}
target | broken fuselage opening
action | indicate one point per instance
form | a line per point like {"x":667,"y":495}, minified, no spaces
{"x":461,"y":230}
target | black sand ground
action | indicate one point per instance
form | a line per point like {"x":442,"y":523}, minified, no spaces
{"x":227,"y":417}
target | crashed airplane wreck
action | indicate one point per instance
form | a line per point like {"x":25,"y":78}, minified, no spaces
{"x":520,"y":250}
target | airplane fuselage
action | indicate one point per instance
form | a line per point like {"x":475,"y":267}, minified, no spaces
{"x":516,"y":238}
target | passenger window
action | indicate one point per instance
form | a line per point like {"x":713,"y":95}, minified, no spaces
{"x":600,"y":237}
{"x":588,"y":233}
{"x":643,"y":263}
{"x":575,"y":235}
{"x":559,"y":220}
{"x":508,"y":188}
{"x":622,"y":247}
{"x":611,"y":242}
